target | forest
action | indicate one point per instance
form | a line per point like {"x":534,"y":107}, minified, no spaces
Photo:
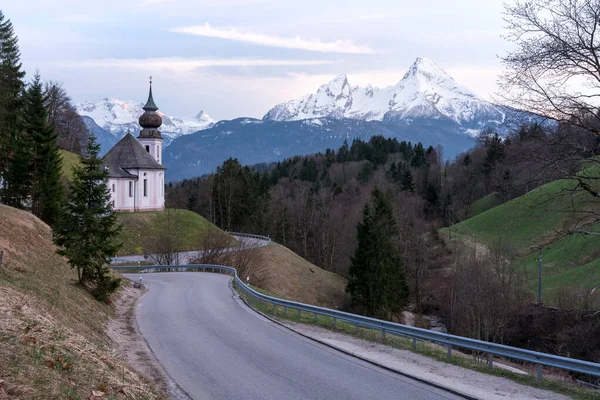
{"x":313,"y":205}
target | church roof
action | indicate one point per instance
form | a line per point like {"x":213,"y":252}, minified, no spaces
{"x":128,"y":154}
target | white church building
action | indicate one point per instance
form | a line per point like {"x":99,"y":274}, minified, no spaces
{"x":136,"y":176}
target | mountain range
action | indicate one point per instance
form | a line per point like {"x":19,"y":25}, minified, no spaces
{"x":425,"y":106}
{"x":425,"y":92}
{"x":110,"y":119}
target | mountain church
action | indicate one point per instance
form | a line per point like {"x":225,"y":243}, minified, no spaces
{"x":136,"y":176}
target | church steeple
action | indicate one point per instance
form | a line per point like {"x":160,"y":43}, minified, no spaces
{"x":150,"y":105}
{"x":150,"y":120}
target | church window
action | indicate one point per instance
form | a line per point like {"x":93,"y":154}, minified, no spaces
{"x":113,"y":187}
{"x":145,"y":187}
{"x":130,"y":189}
{"x":148,"y":148}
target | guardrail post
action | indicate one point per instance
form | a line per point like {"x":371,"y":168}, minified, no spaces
{"x":414,"y":343}
{"x":490,"y":361}
{"x":539,"y":372}
{"x":383,"y":334}
{"x":334,"y":320}
{"x":285,"y":310}
{"x":315,"y":318}
{"x":299,"y":315}
{"x":449,"y":351}
{"x":357,"y":328}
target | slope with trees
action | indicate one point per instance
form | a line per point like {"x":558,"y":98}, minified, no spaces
{"x":87,"y":230}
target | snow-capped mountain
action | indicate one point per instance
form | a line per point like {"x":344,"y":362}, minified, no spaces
{"x":425,"y":92}
{"x":117,"y":117}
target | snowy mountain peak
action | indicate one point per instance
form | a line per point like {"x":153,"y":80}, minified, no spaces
{"x":425,"y":67}
{"x":119,"y":116}
{"x":425,"y":92}
{"x":337,"y":88}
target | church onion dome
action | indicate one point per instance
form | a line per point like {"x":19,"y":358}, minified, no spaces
{"x":150,"y":120}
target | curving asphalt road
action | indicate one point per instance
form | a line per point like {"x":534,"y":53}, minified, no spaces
{"x":186,"y":257}
{"x":215,"y":347}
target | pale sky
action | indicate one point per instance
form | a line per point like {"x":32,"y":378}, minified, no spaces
{"x":236,"y":58}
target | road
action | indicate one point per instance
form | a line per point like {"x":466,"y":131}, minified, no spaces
{"x":186,"y":257}
{"x":215,"y":347}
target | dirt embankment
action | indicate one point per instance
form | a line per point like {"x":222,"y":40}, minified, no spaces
{"x":53,"y":334}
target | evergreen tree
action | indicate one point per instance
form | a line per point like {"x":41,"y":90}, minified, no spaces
{"x":376,"y":283}
{"x":11,"y":90}
{"x":418,"y":158}
{"x":309,"y":171}
{"x":343,"y":154}
{"x":86,"y":232}
{"x":235,"y":196}
{"x":46,"y":194}
{"x":19,"y":178}
{"x":495,"y":154}
{"x":392,"y":173}
{"x":406,"y":180}
{"x":365,"y":172}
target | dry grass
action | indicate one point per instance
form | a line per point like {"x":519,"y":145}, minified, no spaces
{"x":290,"y":276}
{"x":52,"y":333}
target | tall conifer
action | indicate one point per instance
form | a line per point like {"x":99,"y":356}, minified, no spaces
{"x":46,"y":194}
{"x":376,"y":283}
{"x":11,"y":91}
{"x":87,"y":230}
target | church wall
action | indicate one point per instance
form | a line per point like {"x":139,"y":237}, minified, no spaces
{"x":121,"y":198}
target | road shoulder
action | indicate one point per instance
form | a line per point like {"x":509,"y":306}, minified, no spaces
{"x":130,"y":345}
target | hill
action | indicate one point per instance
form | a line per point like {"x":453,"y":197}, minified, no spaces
{"x":541,"y":218}
{"x":283,"y":273}
{"x":53,"y":343}
{"x":69,"y":160}
{"x":138,"y":227}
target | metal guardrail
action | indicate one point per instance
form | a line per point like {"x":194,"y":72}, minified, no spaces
{"x":253,"y":298}
{"x":250,"y":236}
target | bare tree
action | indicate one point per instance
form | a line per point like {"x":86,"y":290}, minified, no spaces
{"x":164,"y":243}
{"x":215,"y":244}
{"x":484,"y":294}
{"x":554,"y":72}
{"x":242,"y":255}
{"x":555,"y":69}
{"x":72,"y":132}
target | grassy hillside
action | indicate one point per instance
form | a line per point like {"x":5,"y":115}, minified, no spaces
{"x":540,"y":218}
{"x":286,"y":274}
{"x":52,"y":333}
{"x":69,"y":160}
{"x":138,"y":226}
{"x":488,"y":202}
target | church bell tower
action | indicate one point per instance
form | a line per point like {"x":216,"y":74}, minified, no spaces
{"x":150,"y":121}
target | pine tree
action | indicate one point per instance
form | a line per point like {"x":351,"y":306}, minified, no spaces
{"x":19,"y":178}
{"x":343,"y":154}
{"x":86,"y":232}
{"x":376,"y":283}
{"x":46,"y":193}
{"x":365,"y":172}
{"x":11,"y":90}
{"x":406,"y":180}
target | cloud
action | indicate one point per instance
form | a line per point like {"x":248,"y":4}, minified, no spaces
{"x":338,"y":46}
{"x":181,"y":64}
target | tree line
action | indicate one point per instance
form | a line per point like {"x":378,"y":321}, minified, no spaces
{"x":36,"y":120}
